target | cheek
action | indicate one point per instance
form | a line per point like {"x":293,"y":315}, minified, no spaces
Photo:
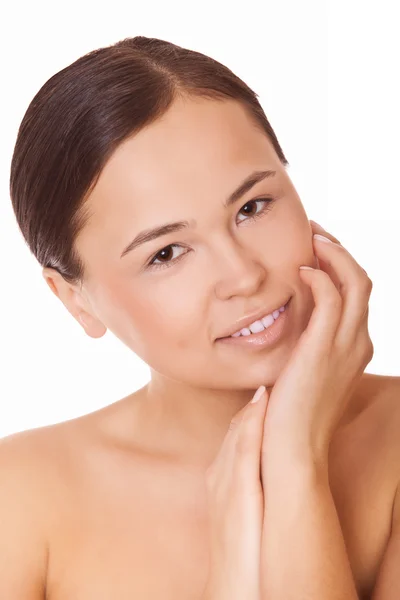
{"x":297,"y":247}
{"x":161,"y":319}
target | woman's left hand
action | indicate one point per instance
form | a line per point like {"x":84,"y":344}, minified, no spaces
{"x":311,"y":394}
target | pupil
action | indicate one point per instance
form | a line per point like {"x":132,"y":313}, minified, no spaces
{"x":248,"y":205}
{"x":165,"y":253}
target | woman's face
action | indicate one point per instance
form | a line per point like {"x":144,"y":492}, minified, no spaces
{"x":225,"y":263}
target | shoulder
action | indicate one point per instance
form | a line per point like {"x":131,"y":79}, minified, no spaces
{"x":383,"y":420}
{"x":26,"y":511}
{"x":36,"y":466}
{"x":388,"y":580}
{"x":384,"y":391}
{"x":382,"y":411}
{"x":29,"y":462}
{"x":48,"y":459}
{"x":370,"y":431}
{"x":43,"y":458}
{"x":378,"y":398}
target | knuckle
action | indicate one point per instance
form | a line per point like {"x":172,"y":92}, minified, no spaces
{"x":369,"y":350}
{"x":364,"y":351}
{"x":368,"y":284}
{"x":364,"y":283}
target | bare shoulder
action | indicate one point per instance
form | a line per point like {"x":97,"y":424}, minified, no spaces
{"x":380,"y":414}
{"x":26,"y":511}
{"x":32,"y":453}
{"x":378,"y":396}
{"x":384,"y":394}
{"x":47,"y":455}
{"x":41,"y":462}
{"x":370,"y":432}
{"x":37,"y":467}
{"x":375,"y":432}
{"x":31,"y":463}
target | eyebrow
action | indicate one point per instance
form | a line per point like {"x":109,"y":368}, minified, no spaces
{"x":148,"y":235}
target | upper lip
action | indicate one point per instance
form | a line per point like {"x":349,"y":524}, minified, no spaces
{"x":246,"y":321}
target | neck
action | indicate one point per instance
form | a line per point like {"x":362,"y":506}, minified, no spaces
{"x":185,"y":423}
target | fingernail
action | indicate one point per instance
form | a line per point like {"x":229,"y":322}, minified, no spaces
{"x":308,"y":268}
{"x":258,"y":394}
{"x":322,"y":238}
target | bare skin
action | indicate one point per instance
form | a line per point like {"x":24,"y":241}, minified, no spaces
{"x":112,"y":504}
{"x":125,"y":519}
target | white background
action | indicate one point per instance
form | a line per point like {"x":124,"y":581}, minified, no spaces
{"x":327,"y":75}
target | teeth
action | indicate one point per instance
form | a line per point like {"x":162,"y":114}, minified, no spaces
{"x":260,"y":325}
{"x":268,"y":320}
{"x":245,"y":331}
{"x":256,"y":327}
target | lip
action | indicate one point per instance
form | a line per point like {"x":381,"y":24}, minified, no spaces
{"x":246,"y":321}
{"x":267,"y":337}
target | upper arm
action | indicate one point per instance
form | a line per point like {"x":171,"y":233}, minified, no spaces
{"x":23,"y":547}
{"x":388,"y":581}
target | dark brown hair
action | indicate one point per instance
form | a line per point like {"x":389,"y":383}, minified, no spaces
{"x":79,"y":117}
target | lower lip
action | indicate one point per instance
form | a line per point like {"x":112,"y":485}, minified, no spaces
{"x":265,"y":338}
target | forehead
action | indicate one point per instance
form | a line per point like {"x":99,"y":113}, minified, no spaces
{"x":200,"y":148}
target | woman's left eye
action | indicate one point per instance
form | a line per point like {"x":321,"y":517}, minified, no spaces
{"x":265,"y":207}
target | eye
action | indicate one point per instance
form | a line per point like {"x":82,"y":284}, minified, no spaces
{"x":265,"y":207}
{"x":167,"y":258}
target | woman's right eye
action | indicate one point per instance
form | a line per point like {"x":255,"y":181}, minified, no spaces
{"x":166,"y":256}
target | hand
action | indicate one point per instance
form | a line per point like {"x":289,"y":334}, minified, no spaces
{"x":235,"y":503}
{"x":312,"y":391}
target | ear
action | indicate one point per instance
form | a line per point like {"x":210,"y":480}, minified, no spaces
{"x":75,"y":301}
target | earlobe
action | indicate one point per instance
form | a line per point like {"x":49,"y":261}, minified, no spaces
{"x":82,"y":321}
{"x":74,"y":302}
{"x":93,"y":327}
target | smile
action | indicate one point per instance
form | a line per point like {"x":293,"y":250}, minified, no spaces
{"x":264,"y":332}
{"x":261,"y":324}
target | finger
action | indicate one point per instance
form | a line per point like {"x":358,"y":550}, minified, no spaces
{"x":220,"y":471}
{"x":355,"y":286}
{"x":249,"y":442}
{"x":240,"y":444}
{"x":317,"y":228}
{"x":321,"y":330}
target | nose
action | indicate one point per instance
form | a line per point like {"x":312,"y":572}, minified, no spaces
{"x":241,"y":272}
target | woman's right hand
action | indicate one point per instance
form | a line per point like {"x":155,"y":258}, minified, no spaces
{"x":235,"y":507}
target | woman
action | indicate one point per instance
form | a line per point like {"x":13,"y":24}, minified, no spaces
{"x":150,"y":186}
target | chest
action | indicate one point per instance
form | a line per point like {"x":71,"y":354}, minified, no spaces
{"x":135,"y":533}
{"x":136,"y":530}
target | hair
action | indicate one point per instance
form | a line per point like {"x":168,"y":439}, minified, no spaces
{"x":79,"y":117}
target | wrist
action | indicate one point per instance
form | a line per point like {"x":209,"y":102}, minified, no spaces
{"x":295,"y":463}
{"x":223,"y":589}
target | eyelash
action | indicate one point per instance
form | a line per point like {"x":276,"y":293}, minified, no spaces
{"x":267,"y":206}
